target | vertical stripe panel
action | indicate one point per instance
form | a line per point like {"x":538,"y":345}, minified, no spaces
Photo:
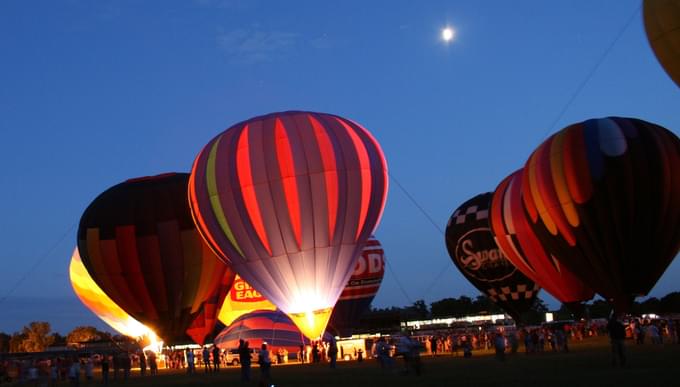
{"x":245,"y":177}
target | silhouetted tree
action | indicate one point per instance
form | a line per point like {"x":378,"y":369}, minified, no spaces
{"x":36,"y":337}
{"x":598,"y":309}
{"x":84,"y":334}
{"x":483,"y":304}
{"x":417,"y":311}
{"x":58,"y":339}
{"x":650,"y":305}
{"x":16,"y":343}
{"x":444,"y":308}
{"x":536,"y":314}
{"x":670,"y":303}
{"x":4,"y":342}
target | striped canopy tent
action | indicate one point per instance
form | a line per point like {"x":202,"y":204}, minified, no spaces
{"x":273,"y":327}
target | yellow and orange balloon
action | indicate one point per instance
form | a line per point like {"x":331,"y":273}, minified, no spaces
{"x":662,"y":24}
{"x":94,"y":298}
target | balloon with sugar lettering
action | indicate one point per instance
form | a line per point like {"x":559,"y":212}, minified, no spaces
{"x":473,"y":250}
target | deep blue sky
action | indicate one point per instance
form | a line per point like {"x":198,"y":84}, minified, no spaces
{"x":95,"y":92}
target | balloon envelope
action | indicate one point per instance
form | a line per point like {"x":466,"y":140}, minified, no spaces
{"x":662,"y":24}
{"x":603,"y":196}
{"x":273,"y":327}
{"x":473,"y":250}
{"x":139,"y":244}
{"x":360,"y":290}
{"x":513,"y":233}
{"x":353,"y":302}
{"x":242,"y":299}
{"x":289,"y":199}
{"x":94,"y":298}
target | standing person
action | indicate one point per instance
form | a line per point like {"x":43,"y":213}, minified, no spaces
{"x":54,"y":372}
{"x":499,"y":343}
{"x":206,"y":359}
{"x":127,"y":365}
{"x":153,"y":365}
{"x":404,"y":350}
{"x":105,"y":369}
{"x":382,"y":352}
{"x":116,"y":365}
{"x":74,"y":372}
{"x":653,"y":332}
{"x":216,"y":358}
{"x":265,"y":365}
{"x":433,"y":345}
{"x":315,"y":354}
{"x":514,"y":342}
{"x":333,"y":353}
{"x":142,"y":363}
{"x":33,"y":373}
{"x":244,"y":359}
{"x":190,"y":361}
{"x":617,"y":334}
{"x":89,"y":369}
{"x":301,"y":354}
{"x":414,"y":350}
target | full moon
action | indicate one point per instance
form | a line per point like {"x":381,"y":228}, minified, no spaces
{"x":448,"y":34}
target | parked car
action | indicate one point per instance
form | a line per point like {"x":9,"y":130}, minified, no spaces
{"x":232,"y":357}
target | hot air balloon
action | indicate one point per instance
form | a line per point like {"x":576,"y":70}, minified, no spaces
{"x":662,"y":24}
{"x":140,"y":246}
{"x":94,"y":298}
{"x":242,"y":299}
{"x":510,"y":226}
{"x":353,"y":302}
{"x":289,"y":199}
{"x":473,"y":250}
{"x":263,"y":326}
{"x":362,"y":287}
{"x":603,"y":197}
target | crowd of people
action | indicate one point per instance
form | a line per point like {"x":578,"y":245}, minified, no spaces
{"x":461,"y":341}
{"x":52,"y":371}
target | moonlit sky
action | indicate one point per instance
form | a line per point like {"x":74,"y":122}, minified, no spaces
{"x":95,"y":92}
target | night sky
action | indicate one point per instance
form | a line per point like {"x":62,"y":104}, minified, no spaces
{"x":95,"y":92}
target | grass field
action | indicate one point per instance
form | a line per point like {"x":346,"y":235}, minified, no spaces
{"x":588,"y":364}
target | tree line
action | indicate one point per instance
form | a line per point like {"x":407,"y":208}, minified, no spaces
{"x":390,"y":318}
{"x":38,"y":335}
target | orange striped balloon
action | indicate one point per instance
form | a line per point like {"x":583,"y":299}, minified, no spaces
{"x":511,"y":228}
{"x":289,"y":199}
{"x":603,"y":197}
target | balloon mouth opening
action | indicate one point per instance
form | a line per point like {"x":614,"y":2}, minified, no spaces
{"x":312,"y":323}
{"x":155,"y":344}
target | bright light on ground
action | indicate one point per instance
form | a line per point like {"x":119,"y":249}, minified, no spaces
{"x":448,"y":33}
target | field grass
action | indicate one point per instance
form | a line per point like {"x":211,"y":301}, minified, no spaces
{"x":588,"y":364}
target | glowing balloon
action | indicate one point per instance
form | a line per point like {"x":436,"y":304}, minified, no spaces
{"x":513,"y":233}
{"x":140,"y":246}
{"x":473,"y":250}
{"x":289,"y":199}
{"x":603,"y":197}
{"x":272,"y":327}
{"x":94,"y":298}
{"x":662,"y":23}
{"x":242,"y":299}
